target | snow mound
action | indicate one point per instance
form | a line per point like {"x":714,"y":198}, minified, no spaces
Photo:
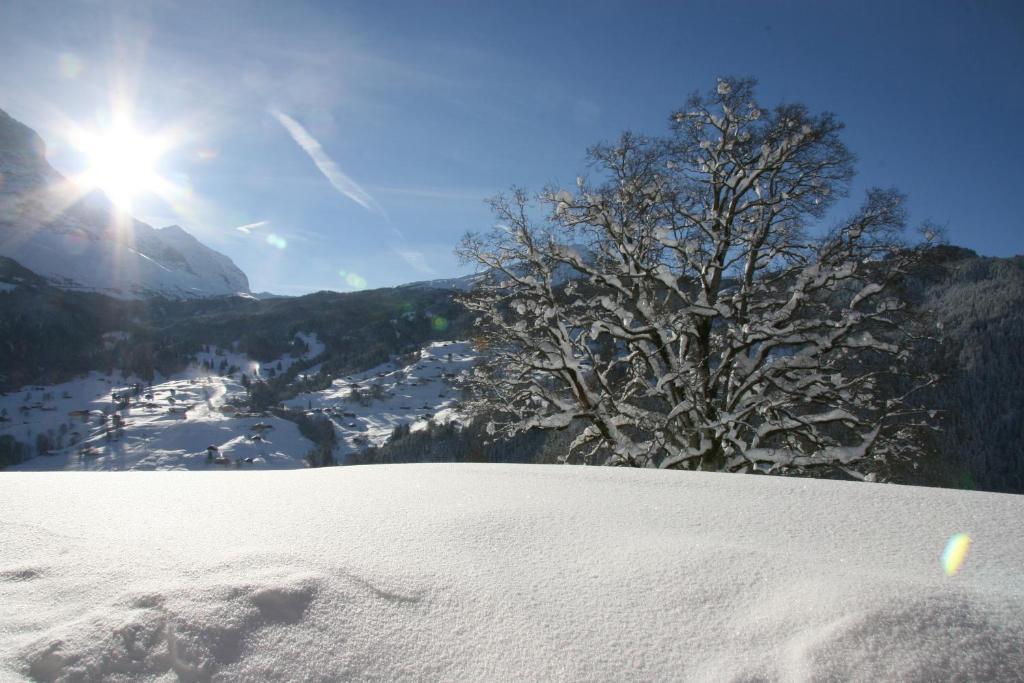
{"x":497,"y":572}
{"x":186,"y":631}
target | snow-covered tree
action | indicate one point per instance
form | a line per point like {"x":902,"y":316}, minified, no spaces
{"x":685,"y":309}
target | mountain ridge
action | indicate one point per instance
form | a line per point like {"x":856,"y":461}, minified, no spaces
{"x":81,"y":241}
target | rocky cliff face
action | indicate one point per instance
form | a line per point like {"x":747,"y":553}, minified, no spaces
{"x":81,"y":242}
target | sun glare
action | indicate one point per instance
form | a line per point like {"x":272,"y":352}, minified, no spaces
{"x":121,"y":162}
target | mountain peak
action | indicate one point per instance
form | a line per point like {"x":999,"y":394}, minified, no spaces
{"x":69,"y":240}
{"x":177,"y":234}
{"x":176,"y":231}
{"x":22,"y":155}
{"x":16,"y":137}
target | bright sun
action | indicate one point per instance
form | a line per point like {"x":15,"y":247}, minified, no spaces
{"x":121,"y":162}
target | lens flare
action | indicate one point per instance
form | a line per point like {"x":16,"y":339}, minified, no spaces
{"x":955,"y":553}
{"x":439,"y":323}
{"x":355,"y":281}
{"x":70,"y":65}
{"x":277,"y":241}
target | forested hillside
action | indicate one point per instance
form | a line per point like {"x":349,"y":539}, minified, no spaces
{"x":979,"y":304}
{"x":50,"y":335}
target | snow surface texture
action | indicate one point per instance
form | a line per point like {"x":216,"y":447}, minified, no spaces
{"x":84,"y":243}
{"x":502,"y":572}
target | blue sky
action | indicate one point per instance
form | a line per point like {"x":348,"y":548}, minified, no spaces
{"x":363,"y":138}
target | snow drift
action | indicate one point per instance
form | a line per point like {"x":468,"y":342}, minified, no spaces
{"x":486,"y":572}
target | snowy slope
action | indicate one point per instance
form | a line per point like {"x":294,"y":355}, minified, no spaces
{"x":216,"y":356}
{"x":562,"y":274}
{"x":489,"y":572}
{"x":168,"y":426}
{"x":461,"y":284}
{"x":81,"y":242}
{"x":392,"y":394}
{"x":201,"y":259}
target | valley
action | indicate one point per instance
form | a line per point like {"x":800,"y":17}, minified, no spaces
{"x":551,"y":341}
{"x":201,"y":420}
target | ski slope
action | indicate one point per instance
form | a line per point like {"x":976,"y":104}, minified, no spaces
{"x":502,"y":572}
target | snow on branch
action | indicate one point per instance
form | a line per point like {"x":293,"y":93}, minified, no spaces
{"x":679,"y":308}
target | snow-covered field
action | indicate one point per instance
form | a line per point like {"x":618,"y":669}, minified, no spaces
{"x":491,"y":572}
{"x":167,"y":426}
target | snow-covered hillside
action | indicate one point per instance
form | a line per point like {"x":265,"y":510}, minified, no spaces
{"x":464,"y":283}
{"x":491,"y":572}
{"x":82,"y":242}
{"x":215,"y":357}
{"x":366,"y":407}
{"x":171,"y":424}
{"x":167,"y":426}
{"x":460,"y":284}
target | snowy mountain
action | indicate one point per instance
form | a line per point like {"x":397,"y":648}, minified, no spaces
{"x":82,"y":242}
{"x":217,"y":268}
{"x":464,"y":283}
{"x":459,"y":284}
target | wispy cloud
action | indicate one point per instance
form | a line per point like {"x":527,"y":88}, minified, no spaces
{"x":249,"y":227}
{"x":437,"y":193}
{"x":335,"y":176}
{"x":417,"y":260}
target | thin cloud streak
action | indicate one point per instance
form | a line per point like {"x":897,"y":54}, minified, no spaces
{"x":249,"y":227}
{"x":335,"y":176}
{"x":436,"y":193}
{"x":417,"y":260}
